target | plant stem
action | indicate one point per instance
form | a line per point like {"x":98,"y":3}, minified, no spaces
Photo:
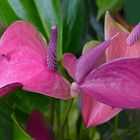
{"x":66,"y":113}
{"x":52,"y":112}
{"x":115,"y":127}
{"x":58,"y":112}
{"x":93,"y":132}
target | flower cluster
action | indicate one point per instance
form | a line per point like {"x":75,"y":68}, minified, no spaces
{"x":106,"y":76}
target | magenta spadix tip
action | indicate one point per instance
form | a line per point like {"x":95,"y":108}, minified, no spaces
{"x":134,"y":35}
{"x":51,"y":57}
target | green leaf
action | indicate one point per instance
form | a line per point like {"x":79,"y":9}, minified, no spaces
{"x":7,"y":15}
{"x":73,"y":25}
{"x":2,"y":28}
{"x":19,"y":133}
{"x":28,"y":101}
{"x":131,"y":11}
{"x":26,"y":9}
{"x":50,"y":14}
{"x":113,"y":5}
{"x":6,"y":129}
{"x":6,"y":123}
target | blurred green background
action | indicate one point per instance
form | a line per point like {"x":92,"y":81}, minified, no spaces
{"x":78,"y":22}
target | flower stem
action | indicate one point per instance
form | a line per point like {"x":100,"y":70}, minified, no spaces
{"x":67,"y":110}
{"x":115,"y":127}
{"x":52,"y":112}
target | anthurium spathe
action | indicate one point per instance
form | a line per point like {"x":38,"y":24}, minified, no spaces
{"x":38,"y":127}
{"x":120,"y":47}
{"x":27,"y":62}
{"x":93,"y":111}
{"x":115,"y":83}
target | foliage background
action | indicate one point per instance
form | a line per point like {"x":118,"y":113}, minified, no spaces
{"x":78,"y":21}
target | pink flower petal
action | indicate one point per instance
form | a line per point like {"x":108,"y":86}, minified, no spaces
{"x":69,"y":62}
{"x":23,"y":56}
{"x":38,"y":128}
{"x":24,"y":33}
{"x":118,"y":48}
{"x":111,"y":27}
{"x":22,"y":53}
{"x":50,"y":83}
{"x":96,"y":113}
{"x":87,"y":61}
{"x":90,"y":45}
{"x":116,"y":83}
{"x":8,"y":88}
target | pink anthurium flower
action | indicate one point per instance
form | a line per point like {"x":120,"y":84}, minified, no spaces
{"x":38,"y":128}
{"x":27,"y":62}
{"x":120,"y":47}
{"x":108,"y":83}
{"x":93,"y":111}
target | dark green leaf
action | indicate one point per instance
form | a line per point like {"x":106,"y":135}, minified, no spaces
{"x":19,"y":133}
{"x":6,"y":129}
{"x":28,"y":101}
{"x":73,"y":25}
{"x":6,"y":124}
{"x":131,"y":11}
{"x":112,"y":5}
